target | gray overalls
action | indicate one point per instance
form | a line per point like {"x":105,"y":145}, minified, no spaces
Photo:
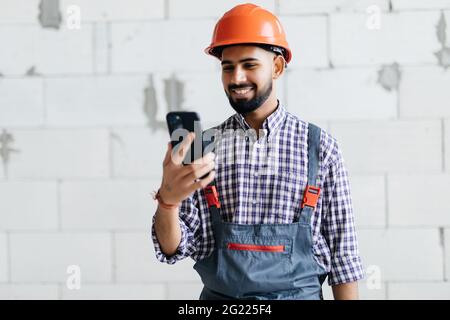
{"x":265,"y":261}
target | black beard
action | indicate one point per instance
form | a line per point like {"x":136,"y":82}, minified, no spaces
{"x":244,"y":106}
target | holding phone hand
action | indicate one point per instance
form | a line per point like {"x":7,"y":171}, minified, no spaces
{"x":179,"y":180}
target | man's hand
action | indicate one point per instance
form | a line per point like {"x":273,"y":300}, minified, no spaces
{"x":346,"y":291}
{"x":179,"y":180}
{"x":178,"y":183}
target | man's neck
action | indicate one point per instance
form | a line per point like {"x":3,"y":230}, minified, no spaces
{"x":256,"y":118}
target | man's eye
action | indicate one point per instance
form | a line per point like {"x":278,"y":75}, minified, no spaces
{"x":227,"y":69}
{"x":250,"y":65}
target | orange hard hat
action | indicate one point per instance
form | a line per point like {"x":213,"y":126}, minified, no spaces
{"x":249,"y":23}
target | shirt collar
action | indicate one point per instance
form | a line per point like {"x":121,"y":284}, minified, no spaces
{"x":270,"y":124}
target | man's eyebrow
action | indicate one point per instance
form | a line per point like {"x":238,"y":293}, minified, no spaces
{"x":240,"y":61}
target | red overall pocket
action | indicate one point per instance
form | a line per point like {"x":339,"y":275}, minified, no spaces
{"x":254,"y":247}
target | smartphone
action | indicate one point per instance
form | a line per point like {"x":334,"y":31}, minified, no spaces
{"x":180,"y":123}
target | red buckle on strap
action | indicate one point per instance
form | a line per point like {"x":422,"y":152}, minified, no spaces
{"x":311,"y":196}
{"x":212,"y":196}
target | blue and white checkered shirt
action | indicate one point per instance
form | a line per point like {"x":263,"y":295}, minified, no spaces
{"x":262,"y":180}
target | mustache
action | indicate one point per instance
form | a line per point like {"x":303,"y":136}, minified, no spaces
{"x":235,"y":86}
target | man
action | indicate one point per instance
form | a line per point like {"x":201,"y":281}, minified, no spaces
{"x":274,"y":215}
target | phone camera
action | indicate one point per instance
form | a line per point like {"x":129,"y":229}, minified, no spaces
{"x":176,"y":122}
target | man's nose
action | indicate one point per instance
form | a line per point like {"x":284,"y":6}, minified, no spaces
{"x":238,"y":75}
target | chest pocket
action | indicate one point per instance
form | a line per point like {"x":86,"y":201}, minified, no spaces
{"x":246,"y":261}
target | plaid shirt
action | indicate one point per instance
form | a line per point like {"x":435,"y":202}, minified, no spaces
{"x":262,"y":180}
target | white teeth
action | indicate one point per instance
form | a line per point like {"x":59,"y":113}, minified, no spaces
{"x":242,"y":91}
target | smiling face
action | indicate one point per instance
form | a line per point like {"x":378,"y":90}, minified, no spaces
{"x":247,"y":76}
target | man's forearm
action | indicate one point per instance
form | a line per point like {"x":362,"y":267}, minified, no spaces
{"x":168,"y":231}
{"x":346,"y":291}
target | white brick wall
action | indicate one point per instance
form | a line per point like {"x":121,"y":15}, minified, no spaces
{"x":19,"y":11}
{"x":29,"y":292}
{"x":136,"y":261}
{"x":390,"y":146}
{"x":307,"y":38}
{"x":424,"y":93}
{"x":419,"y":291}
{"x":114,"y":10}
{"x":350,"y":94}
{"x":45,"y":257}
{"x":139,"y":152}
{"x":399,"y":253}
{"x":162,"y":46}
{"x":47,"y":50}
{"x":369,"y":200}
{"x":100,"y":101}
{"x":3,"y":258}
{"x":185,"y":291}
{"x":21,"y":102}
{"x":292,"y":7}
{"x":417,"y":4}
{"x":116,"y":292}
{"x":417,"y":200}
{"x":101,"y":54}
{"x":100,"y":205}
{"x":447,"y":253}
{"x":60,"y":153}
{"x":86,"y":109}
{"x":209,"y":9}
{"x":38,"y":212}
{"x":446,"y":144}
{"x":407,"y":37}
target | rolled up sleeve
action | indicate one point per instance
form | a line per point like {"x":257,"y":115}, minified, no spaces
{"x":338,"y":225}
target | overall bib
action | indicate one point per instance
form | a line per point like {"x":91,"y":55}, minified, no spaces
{"x":265,"y":261}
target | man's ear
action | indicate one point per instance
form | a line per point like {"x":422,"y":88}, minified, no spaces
{"x":278,"y":66}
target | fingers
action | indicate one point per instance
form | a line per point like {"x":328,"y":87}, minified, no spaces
{"x":199,"y":171}
{"x":180,"y":151}
{"x":202,"y":183}
{"x":205,"y":159}
{"x":199,"y":167}
{"x":167,"y":157}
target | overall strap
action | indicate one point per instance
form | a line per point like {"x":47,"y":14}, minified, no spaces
{"x":312,"y":192}
{"x":212,"y":198}
{"x":313,"y":153}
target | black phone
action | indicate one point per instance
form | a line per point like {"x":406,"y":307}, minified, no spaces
{"x":180,"y":123}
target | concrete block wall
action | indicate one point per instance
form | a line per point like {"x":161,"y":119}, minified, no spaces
{"x":82,"y":135}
